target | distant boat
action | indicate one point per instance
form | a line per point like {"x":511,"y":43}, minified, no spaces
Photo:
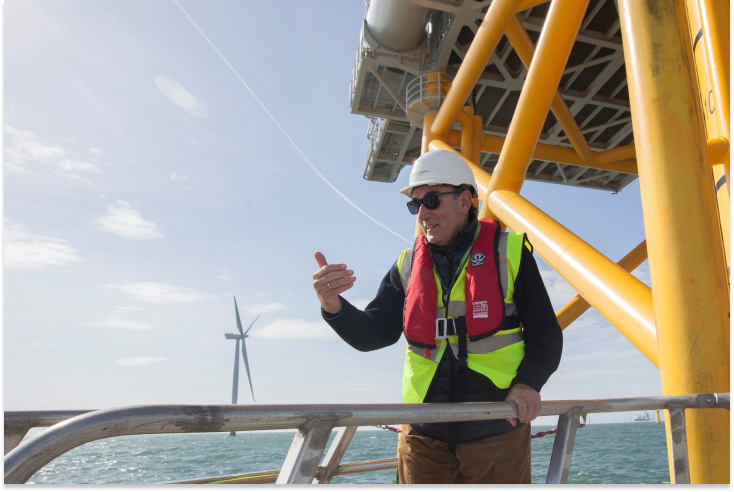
{"x":643,"y":417}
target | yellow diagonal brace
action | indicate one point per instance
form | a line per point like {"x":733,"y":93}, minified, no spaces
{"x":519,"y":39}
{"x":578,"y":305}
{"x":616,"y":294}
{"x":484,"y":43}
{"x":554,"y":46}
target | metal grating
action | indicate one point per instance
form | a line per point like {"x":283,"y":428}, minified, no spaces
{"x":593,"y":85}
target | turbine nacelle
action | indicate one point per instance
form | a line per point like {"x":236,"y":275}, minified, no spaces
{"x":232,"y":336}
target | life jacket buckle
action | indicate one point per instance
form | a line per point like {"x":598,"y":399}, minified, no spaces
{"x":442,"y":328}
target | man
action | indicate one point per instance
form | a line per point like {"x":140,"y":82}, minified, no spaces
{"x":479,"y":324}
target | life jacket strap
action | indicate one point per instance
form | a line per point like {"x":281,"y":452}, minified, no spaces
{"x":445,"y":327}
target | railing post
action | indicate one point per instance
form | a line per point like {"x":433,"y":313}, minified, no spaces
{"x":679,"y":443}
{"x":303,"y":457}
{"x":560,"y":462}
{"x":14,"y":434}
{"x":334,"y":456}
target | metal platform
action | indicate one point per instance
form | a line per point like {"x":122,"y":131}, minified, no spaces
{"x":594,"y":86}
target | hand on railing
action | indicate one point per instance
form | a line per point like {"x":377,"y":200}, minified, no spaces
{"x":527,"y":401}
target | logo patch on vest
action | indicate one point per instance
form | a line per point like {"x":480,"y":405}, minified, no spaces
{"x":480,"y":309}
{"x":477,"y":259}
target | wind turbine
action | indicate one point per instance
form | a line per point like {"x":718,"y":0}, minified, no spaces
{"x":241,"y":336}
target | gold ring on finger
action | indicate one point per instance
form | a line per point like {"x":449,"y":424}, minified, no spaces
{"x":329,"y":284}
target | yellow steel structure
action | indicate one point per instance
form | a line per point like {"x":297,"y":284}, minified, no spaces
{"x":487,"y":37}
{"x":615,"y":293}
{"x":578,"y":305}
{"x":687,"y":267}
{"x":682,"y":160}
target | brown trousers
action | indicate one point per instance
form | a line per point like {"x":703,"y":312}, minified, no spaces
{"x":499,"y":459}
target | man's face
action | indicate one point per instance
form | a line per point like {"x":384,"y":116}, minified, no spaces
{"x":442,"y":224}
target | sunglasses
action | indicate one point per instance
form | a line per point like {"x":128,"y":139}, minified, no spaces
{"x":430,"y":201}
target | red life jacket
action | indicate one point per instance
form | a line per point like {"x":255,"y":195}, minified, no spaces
{"x":484,"y":303}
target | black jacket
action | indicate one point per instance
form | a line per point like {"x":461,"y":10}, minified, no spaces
{"x":381,"y":324}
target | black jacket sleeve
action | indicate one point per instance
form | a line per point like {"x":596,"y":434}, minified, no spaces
{"x":380,"y":324}
{"x":541,"y":331}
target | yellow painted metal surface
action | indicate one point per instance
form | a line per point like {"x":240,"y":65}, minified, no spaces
{"x":718,"y":143}
{"x":485,"y":41}
{"x":578,"y":305}
{"x":690,"y":291}
{"x":554,"y":46}
{"x":523,"y":45}
{"x":620,"y":297}
{"x":615,"y":293}
{"x":715,"y":31}
{"x":604,"y":160}
{"x":682,"y":325}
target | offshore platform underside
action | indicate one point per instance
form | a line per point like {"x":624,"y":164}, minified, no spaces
{"x":593,"y":85}
{"x":592,"y":94}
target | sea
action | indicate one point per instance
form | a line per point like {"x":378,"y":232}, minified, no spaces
{"x":618,"y":453}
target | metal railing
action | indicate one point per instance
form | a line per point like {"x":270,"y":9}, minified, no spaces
{"x":316,"y":422}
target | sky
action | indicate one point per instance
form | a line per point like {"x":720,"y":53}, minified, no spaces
{"x":146,"y":183}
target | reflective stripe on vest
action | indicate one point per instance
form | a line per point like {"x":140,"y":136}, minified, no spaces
{"x":497,"y":356}
{"x":507,"y":258}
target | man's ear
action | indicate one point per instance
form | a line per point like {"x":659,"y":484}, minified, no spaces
{"x":466,"y":201}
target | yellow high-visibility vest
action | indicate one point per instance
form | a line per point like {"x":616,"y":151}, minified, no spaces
{"x":496,"y":357}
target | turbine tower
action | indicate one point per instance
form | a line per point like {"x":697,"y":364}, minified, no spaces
{"x":241,"y":336}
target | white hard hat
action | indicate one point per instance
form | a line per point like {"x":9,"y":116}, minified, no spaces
{"x":440,"y":167}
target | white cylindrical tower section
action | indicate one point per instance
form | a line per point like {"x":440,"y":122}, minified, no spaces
{"x":396,"y":25}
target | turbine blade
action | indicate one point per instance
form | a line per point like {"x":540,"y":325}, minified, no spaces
{"x":247,"y":367}
{"x":253,"y":322}
{"x":237,"y":312}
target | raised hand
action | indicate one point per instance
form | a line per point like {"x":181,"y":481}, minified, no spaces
{"x":330,"y":281}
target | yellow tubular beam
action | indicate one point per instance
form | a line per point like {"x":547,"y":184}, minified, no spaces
{"x":618,"y":296}
{"x":523,"y":45}
{"x":484,"y":43}
{"x":717,"y":150}
{"x":554,"y":153}
{"x":687,"y":267}
{"x":428,"y":136}
{"x":554,"y":46}
{"x":466,"y":118}
{"x":478,"y":138}
{"x":528,"y":4}
{"x":615,"y":154}
{"x":620,"y":159}
{"x":578,"y":305}
{"x":715,"y":26}
{"x":722,"y":196}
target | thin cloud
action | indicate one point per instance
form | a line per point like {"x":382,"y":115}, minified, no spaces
{"x":25,"y":150}
{"x":115,"y":320}
{"x":225,"y":275}
{"x":559,"y":291}
{"x":294,"y":329}
{"x":96,"y":152}
{"x":25,"y":251}
{"x":157,"y":293}
{"x":139,"y":361}
{"x":178,"y":95}
{"x":265,"y":308}
{"x":124,"y":220}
